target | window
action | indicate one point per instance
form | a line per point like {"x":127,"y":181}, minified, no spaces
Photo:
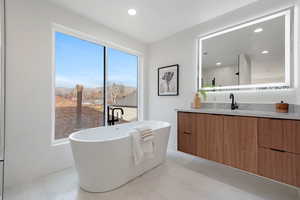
{"x":122,"y":83}
{"x":79,"y":85}
{"x":89,"y":76}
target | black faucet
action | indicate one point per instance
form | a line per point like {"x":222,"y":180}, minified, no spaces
{"x":113,"y":119}
{"x":233,"y":103}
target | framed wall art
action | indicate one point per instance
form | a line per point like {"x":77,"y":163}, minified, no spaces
{"x":168,"y":80}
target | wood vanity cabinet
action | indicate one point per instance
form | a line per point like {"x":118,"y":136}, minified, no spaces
{"x":240,"y":142}
{"x":268,"y":147}
{"x":210,"y":137}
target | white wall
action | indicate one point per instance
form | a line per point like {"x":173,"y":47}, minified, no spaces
{"x":225,"y":75}
{"x":267,"y":71}
{"x":29,"y":153}
{"x":181,"y":49}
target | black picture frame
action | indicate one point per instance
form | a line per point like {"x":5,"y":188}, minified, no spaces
{"x":159,"y":71}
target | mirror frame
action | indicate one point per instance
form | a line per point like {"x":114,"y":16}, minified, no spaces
{"x":287,"y":13}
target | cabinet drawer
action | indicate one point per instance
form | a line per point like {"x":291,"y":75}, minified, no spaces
{"x":279,"y":134}
{"x":298,"y":170}
{"x":186,"y":134}
{"x":280,"y":166}
{"x":291,"y":136}
{"x":186,"y":142}
{"x":186,"y":122}
{"x":270,"y":133}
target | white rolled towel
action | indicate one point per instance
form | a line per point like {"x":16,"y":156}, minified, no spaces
{"x":143,"y":128}
{"x":142,"y":144}
{"x":137,"y":150}
{"x":148,"y":147}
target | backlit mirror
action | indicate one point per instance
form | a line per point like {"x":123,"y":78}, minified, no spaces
{"x":251,"y":55}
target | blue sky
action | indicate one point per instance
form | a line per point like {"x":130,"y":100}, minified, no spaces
{"x":81,"y":62}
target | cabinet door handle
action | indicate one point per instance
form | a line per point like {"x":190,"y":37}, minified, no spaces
{"x":187,"y":133}
{"x":278,"y":150}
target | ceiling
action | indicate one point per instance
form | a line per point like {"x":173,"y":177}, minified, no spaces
{"x":155,"y":19}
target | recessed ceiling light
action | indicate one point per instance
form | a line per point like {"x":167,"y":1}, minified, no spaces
{"x":218,"y":63}
{"x":265,"y":52}
{"x":132,"y":12}
{"x":258,"y":30}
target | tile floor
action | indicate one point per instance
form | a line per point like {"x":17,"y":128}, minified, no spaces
{"x":181,"y":177}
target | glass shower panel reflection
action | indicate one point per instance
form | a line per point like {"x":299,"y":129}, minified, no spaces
{"x":79,"y":94}
{"x":122,"y":86}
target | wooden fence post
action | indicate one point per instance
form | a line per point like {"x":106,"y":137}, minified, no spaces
{"x":79,"y":90}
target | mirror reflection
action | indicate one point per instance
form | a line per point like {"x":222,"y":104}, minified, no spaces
{"x":251,"y":55}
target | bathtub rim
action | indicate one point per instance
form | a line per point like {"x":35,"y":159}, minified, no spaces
{"x":72,"y":138}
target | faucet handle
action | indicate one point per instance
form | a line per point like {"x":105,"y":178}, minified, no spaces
{"x":236,"y":105}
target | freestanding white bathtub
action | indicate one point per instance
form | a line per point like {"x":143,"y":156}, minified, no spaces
{"x":103,"y":156}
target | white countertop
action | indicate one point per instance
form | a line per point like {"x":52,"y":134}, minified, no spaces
{"x":249,"y":113}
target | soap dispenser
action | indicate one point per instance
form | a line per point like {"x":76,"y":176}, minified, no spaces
{"x":197,"y":101}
